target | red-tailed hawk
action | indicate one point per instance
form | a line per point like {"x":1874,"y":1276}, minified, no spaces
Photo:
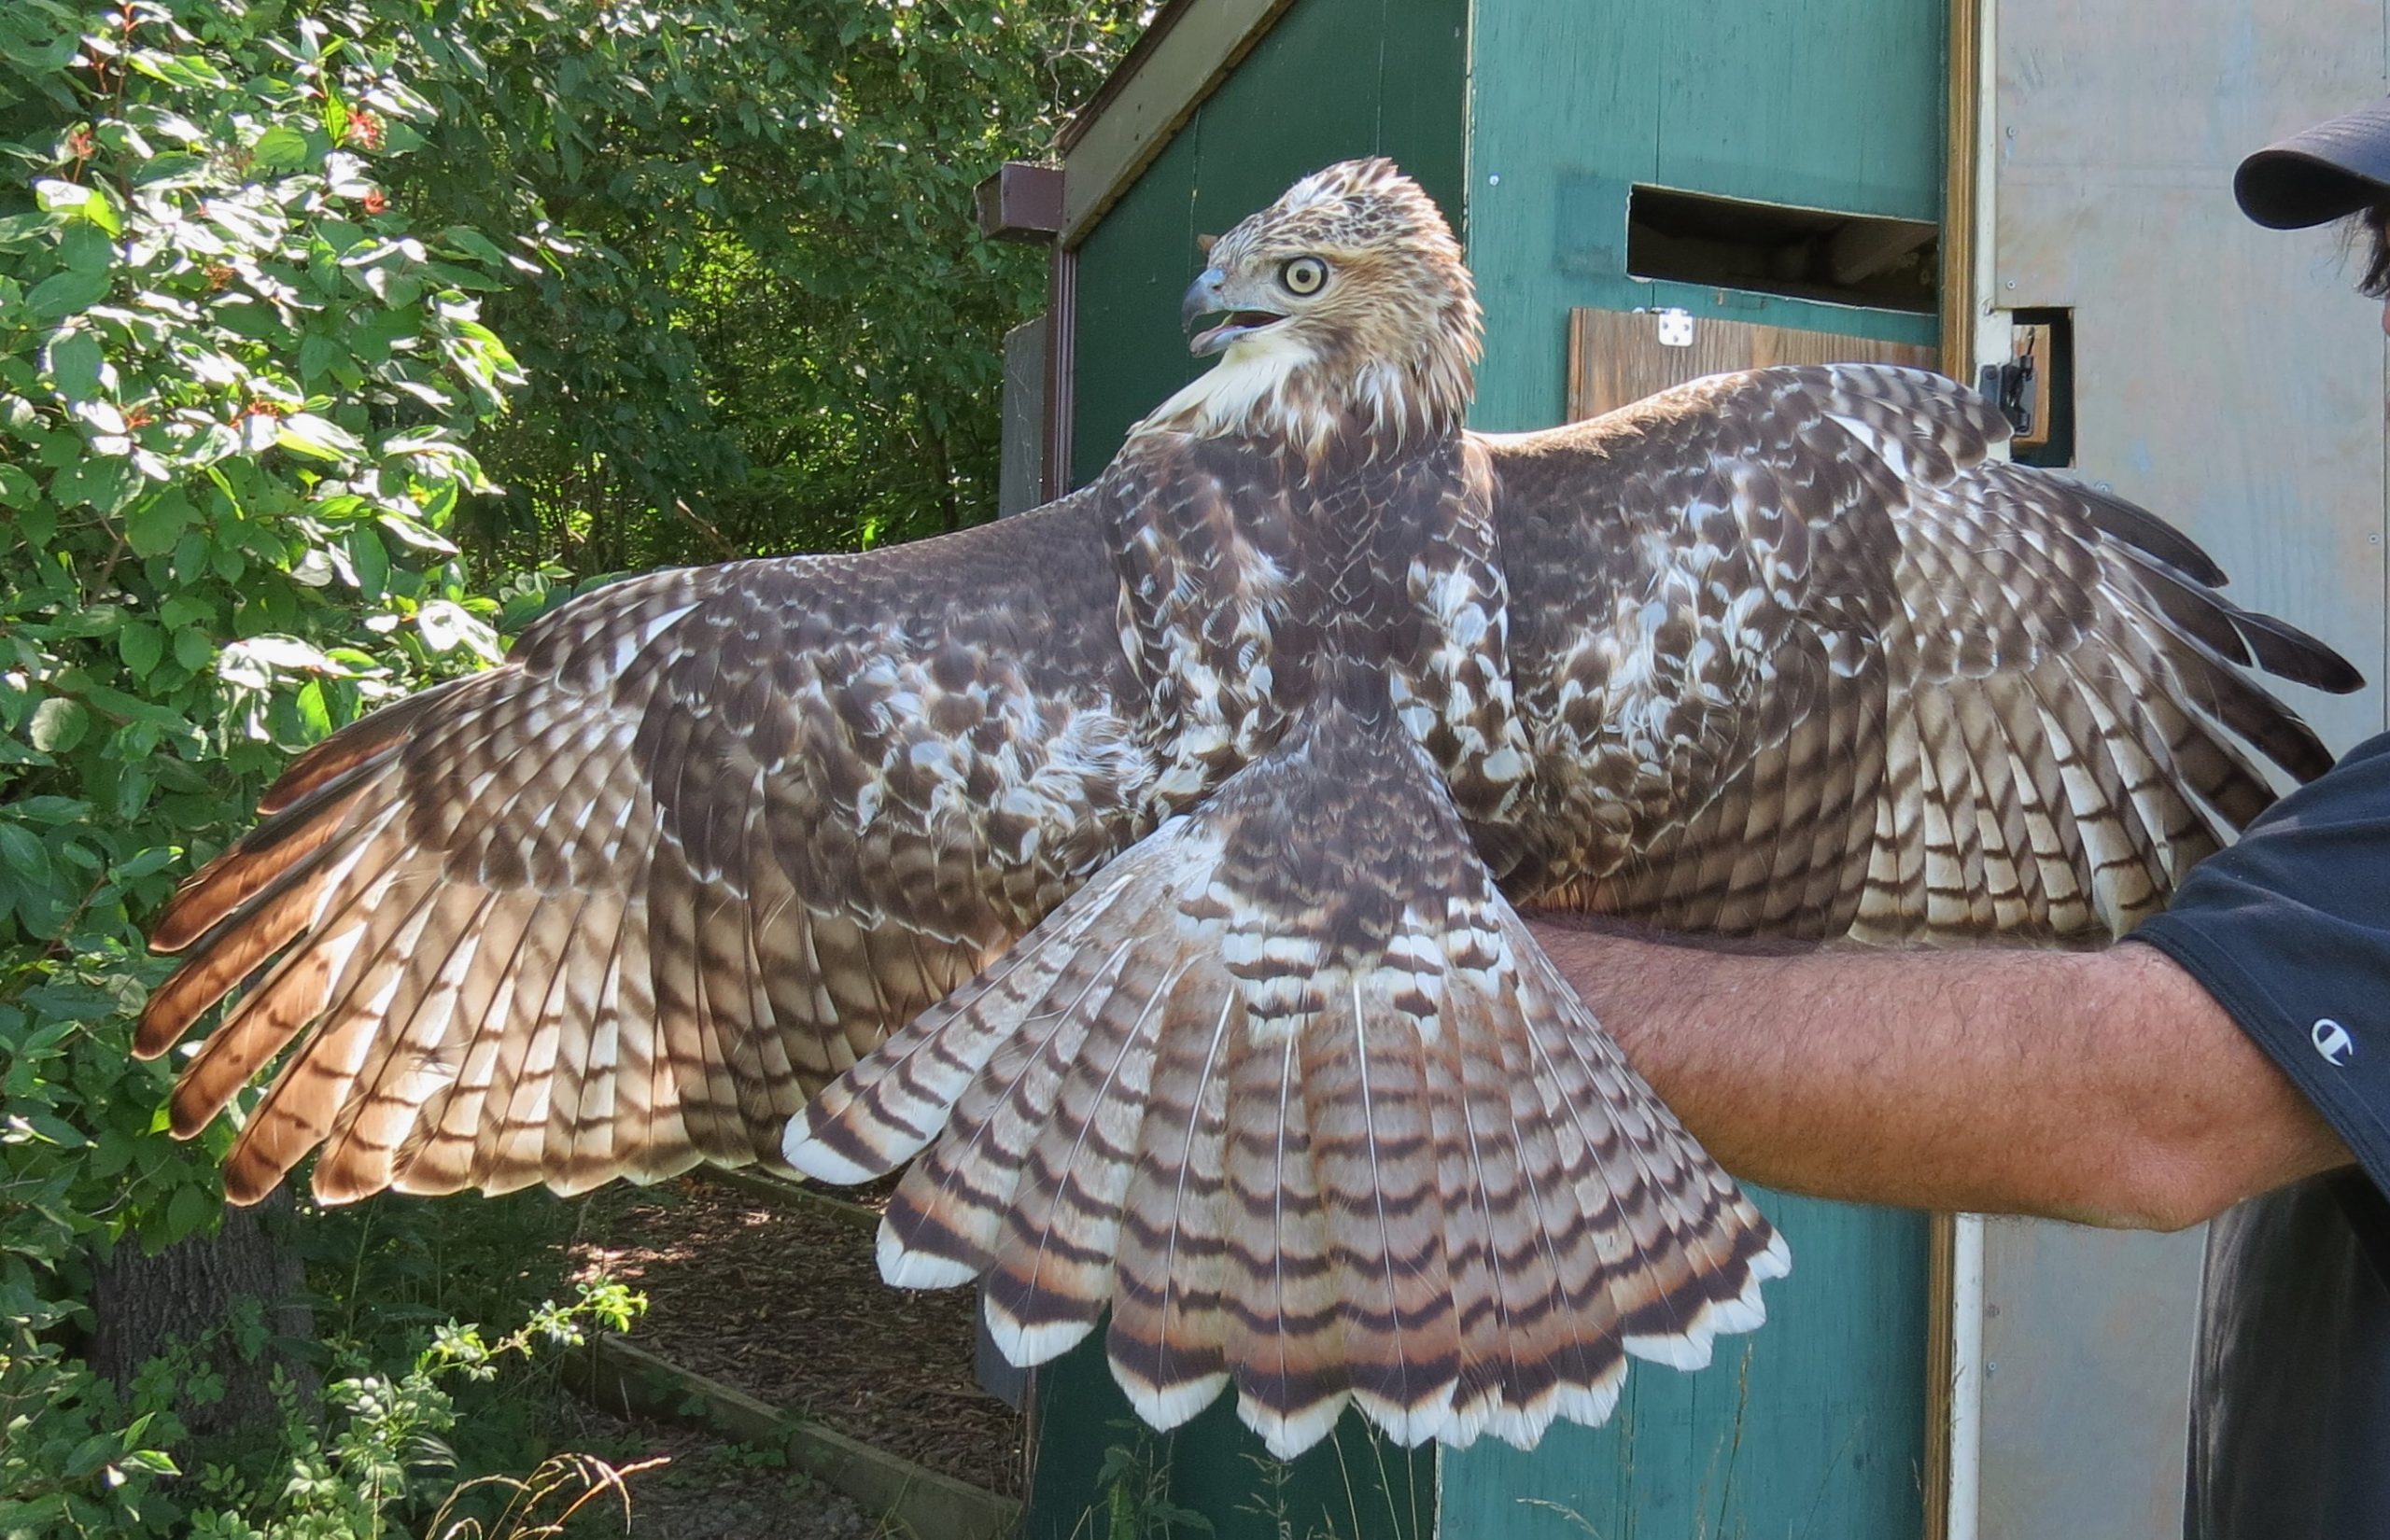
{"x":1146,"y":865}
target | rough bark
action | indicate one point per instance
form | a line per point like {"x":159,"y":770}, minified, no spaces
{"x":146,"y":1305}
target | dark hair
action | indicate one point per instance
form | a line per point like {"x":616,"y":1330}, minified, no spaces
{"x":2375,"y":224}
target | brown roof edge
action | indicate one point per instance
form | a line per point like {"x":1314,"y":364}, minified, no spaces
{"x":1020,"y":202}
{"x":1191,"y":47}
{"x":1118,"y":82}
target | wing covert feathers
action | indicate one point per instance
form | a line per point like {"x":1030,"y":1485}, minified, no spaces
{"x":618,"y":906}
{"x":1841,"y":672}
{"x":1328,"y":1137}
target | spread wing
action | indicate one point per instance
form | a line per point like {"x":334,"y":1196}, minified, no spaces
{"x":1799,"y":657}
{"x":622,"y":903}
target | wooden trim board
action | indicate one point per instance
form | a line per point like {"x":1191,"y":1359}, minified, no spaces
{"x":1964,"y":169}
{"x":1962,"y":124}
{"x":1941,"y":1369}
{"x":1614,"y":360}
{"x":1149,"y":99}
{"x":781,"y":1190}
{"x":617,"y":1376}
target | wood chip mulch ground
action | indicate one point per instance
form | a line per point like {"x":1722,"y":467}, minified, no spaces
{"x":786,"y":1304}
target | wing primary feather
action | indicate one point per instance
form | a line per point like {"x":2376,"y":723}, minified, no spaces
{"x":216,"y":903}
{"x":414,"y":1024}
{"x":298,"y":1109}
{"x":363,"y":744}
{"x":2145,"y":531}
{"x":2287,"y":652}
{"x":437,"y":1153}
{"x":270,"y":919}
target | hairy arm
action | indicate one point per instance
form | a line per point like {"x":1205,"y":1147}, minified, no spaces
{"x":2105,"y":1087}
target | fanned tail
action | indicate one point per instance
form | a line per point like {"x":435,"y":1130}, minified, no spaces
{"x":1292,"y":1091}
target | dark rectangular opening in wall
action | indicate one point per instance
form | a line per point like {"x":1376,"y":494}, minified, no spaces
{"x":2044,"y":341}
{"x":1775,"y":248}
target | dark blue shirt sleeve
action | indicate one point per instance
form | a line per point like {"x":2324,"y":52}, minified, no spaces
{"x":2289,"y":930}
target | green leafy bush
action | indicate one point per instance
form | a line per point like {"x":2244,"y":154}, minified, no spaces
{"x":237,"y":389}
{"x":255,"y":261}
{"x":772,"y":324}
{"x":389,"y":1461}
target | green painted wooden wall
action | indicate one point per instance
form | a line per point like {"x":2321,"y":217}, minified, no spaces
{"x":1332,"y":79}
{"x":1826,"y":103}
{"x":1814,"y":1426}
{"x":1811,"y":1428}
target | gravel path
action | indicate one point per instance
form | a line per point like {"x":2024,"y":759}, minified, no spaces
{"x":707,"y":1489}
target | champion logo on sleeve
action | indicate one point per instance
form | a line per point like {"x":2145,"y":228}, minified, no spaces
{"x":2332,"y":1041}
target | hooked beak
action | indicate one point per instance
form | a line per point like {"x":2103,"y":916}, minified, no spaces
{"x":1205,"y":298}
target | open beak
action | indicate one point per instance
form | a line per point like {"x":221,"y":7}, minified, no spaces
{"x":1205,"y":301}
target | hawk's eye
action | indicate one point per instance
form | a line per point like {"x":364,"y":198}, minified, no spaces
{"x":1303,"y":275}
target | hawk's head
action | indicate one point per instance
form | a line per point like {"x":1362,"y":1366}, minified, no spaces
{"x":1345,"y":304}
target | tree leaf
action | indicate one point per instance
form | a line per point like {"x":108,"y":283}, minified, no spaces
{"x":17,"y":488}
{"x":317,"y":356}
{"x":21,"y":850}
{"x":415,"y":532}
{"x":192,"y":647}
{"x":75,"y":200}
{"x":65,"y":293}
{"x":281,"y":147}
{"x":153,"y":523}
{"x":141,"y":646}
{"x":320,"y":438}
{"x":473,"y":242}
{"x":86,"y":249}
{"x":74,"y":361}
{"x":188,"y":1211}
{"x":371,"y":559}
{"x":446,"y":626}
{"x":59,"y":724}
{"x":105,"y":481}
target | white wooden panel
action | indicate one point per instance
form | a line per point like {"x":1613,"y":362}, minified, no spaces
{"x":2087,"y":1352}
{"x":2227,"y":378}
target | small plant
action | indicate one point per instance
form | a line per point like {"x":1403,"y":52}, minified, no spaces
{"x":74,"y":1457}
{"x":1135,"y":1488}
{"x":389,"y":1457}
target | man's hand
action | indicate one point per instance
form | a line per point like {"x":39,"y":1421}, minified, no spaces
{"x":2105,"y":1087}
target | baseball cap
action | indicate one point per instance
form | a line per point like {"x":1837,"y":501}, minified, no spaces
{"x":2320,"y":174}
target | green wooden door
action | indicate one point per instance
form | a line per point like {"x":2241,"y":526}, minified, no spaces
{"x":1809,"y":1429}
{"x":1332,"y":79}
{"x":1814,"y":1426}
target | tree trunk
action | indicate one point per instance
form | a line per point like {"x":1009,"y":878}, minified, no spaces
{"x":146,"y":1305}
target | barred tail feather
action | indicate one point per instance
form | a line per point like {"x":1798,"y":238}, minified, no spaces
{"x":1290,"y":1091}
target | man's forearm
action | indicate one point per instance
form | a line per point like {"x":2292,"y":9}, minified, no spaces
{"x":2107,"y":1087}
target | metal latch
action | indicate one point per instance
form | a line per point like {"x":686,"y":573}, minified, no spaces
{"x":1676,"y":326}
{"x":2009,"y":386}
{"x":2020,"y":387}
